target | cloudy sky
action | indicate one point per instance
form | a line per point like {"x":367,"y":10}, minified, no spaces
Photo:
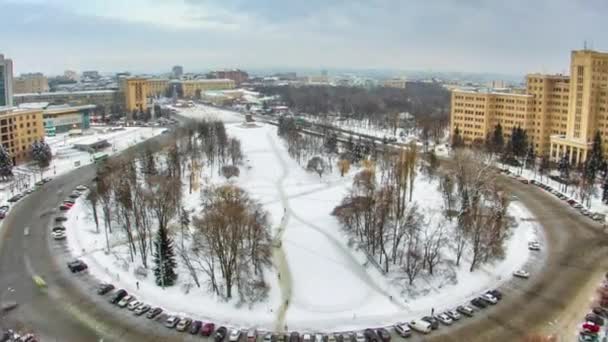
{"x":512,"y":37}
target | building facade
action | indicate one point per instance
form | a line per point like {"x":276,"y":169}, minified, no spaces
{"x":157,"y":87}
{"x":237,"y":75}
{"x":6,"y":81}
{"x":62,"y":119}
{"x":177,"y":71}
{"x":136,"y":94}
{"x":194,"y":88}
{"x":19,"y":128}
{"x":395,"y":83}
{"x":561,"y":114}
{"x":30,"y":83}
{"x":107,"y":101}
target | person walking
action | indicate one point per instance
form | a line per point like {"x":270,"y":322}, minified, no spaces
{"x":137,"y":284}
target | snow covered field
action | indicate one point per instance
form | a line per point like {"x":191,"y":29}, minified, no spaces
{"x":330,"y":285}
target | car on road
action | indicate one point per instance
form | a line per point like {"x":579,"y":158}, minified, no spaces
{"x":488,"y":298}
{"x":466,"y":310}
{"x":118,"y":296}
{"x":134,"y":304}
{"x":207,"y":329}
{"x":420,"y":326}
{"x":454,"y":315}
{"x":384,"y":335}
{"x":478,"y":302}
{"x":445,"y":319}
{"x":58,"y":235}
{"x":171,"y":322}
{"x":104,"y":288}
{"x":195,"y":327}
{"x":142,"y":309}
{"x":77,"y":266}
{"x":220,"y":334}
{"x":126,"y":300}
{"x":183,"y":324}
{"x":235,"y":335}
{"x":495,"y":293}
{"x":403,"y":330}
{"x":154,"y":312}
{"x":432,"y":320}
{"x":522,"y":274}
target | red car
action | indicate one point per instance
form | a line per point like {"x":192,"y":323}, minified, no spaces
{"x":591,"y":327}
{"x":207,"y":329}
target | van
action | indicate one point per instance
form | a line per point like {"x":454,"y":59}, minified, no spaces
{"x":420,"y":326}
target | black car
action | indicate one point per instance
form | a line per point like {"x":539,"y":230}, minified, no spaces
{"x":69,"y":200}
{"x":154,"y":312}
{"x":591,"y":317}
{"x":195,"y":327}
{"x":77,"y":266}
{"x":600,"y":311}
{"x":370,"y":335}
{"x":432,"y":320}
{"x":118,"y":295}
{"x":220,"y":334}
{"x":104,"y":288}
{"x":384,"y":335}
{"x":294,"y":337}
{"x":61,"y":219}
{"x":478,"y":302}
{"x":496,"y":294}
{"x":58,"y":229}
{"x":14,"y":199}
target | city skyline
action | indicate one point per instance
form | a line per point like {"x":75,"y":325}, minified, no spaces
{"x":152,"y":35}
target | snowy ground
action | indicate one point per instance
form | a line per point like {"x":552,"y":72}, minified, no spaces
{"x":331,"y":286}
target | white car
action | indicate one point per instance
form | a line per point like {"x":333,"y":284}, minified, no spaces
{"x":307,"y":338}
{"x":234,"y":336}
{"x":134,"y":304}
{"x":171,"y":321}
{"x":82,"y":188}
{"x":332,"y":338}
{"x":420,"y":326}
{"x":403,"y":330}
{"x":445,"y":319}
{"x":522,"y":274}
{"x":359,"y":337}
{"x":58,"y":235}
{"x":318,"y":338}
{"x":534,"y":246}
{"x":268,"y":337}
{"x":454,"y":315}
{"x":126,"y":300}
{"x":488,"y":298}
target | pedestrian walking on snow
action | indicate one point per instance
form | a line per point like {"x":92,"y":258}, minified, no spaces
{"x":137,"y":284}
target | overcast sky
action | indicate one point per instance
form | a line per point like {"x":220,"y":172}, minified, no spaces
{"x":513,"y":37}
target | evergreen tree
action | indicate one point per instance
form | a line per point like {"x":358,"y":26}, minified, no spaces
{"x":543,"y":168}
{"x":595,"y":160}
{"x":331,"y":143}
{"x":531,"y":157}
{"x":564,"y":168}
{"x":498,"y":141}
{"x":457,"y":140}
{"x":40,"y":151}
{"x":6,"y":164}
{"x":605,"y":191}
{"x":604,"y":169}
{"x":164,"y":259}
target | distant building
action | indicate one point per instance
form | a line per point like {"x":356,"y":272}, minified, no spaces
{"x":106,"y":101}
{"x":61,"y":119}
{"x":157,"y":87}
{"x":19,"y":128}
{"x":394,"y":83}
{"x":30,"y":83}
{"x":318,"y":79}
{"x":136,"y":95}
{"x":6,"y":81}
{"x":286,"y":76}
{"x":177,"y":71}
{"x":192,"y":89}
{"x":70,"y":75}
{"x":238,"y":76}
{"x":92,"y":74}
{"x":497,"y":84}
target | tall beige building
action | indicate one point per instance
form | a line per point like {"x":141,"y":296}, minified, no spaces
{"x":136,"y":94}
{"x":30,"y":83}
{"x":560,"y":113}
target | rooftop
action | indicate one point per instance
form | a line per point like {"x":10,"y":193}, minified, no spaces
{"x":60,"y":93}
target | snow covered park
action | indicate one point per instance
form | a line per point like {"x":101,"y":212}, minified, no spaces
{"x":320,"y":279}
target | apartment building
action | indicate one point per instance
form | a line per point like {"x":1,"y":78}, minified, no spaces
{"x":19,"y":128}
{"x":157,"y":87}
{"x":30,"y":83}
{"x":6,"y":81}
{"x":192,"y":88}
{"x":136,"y":94}
{"x":560,"y":113}
{"x":107,"y":101}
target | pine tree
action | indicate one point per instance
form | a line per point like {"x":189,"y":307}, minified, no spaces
{"x":457,"y":141}
{"x":40,"y":151}
{"x":531,"y":158}
{"x":543,"y":168}
{"x":6,"y":164}
{"x":605,"y":191}
{"x":595,"y":160}
{"x":164,"y":259}
{"x":498,"y":141}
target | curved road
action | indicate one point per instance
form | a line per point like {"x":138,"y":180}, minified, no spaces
{"x":70,"y":311}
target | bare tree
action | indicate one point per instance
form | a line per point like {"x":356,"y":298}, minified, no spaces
{"x":93,"y":200}
{"x":434,"y":240}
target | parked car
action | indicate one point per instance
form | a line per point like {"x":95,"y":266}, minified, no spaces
{"x":432,"y":320}
{"x":126,"y":300}
{"x":384,"y":335}
{"x":104,"y":288}
{"x":534,"y":246}
{"x":171,"y":321}
{"x":77,"y":266}
{"x":294,"y":337}
{"x":522,"y":274}
{"x":82,"y":188}
{"x":118,"y":296}
{"x":61,"y":219}
{"x":403,"y":330}
{"x":307,"y":337}
{"x":420,"y":326}
{"x":183,"y":324}
{"x":488,"y":298}
{"x":235,"y":335}
{"x":600,"y":311}
{"x":134,"y":304}
{"x":454,"y":315}
{"x":220,"y":334}
{"x":154,"y":312}
{"x":74,"y":195}
{"x":207,"y":329}
{"x":142,"y":309}
{"x":195,"y":327}
{"x":495,"y":293}
{"x":465,"y":310}
{"x":585,"y":336}
{"x":591,"y":317}
{"x":58,"y":229}
{"x":58,"y":235}
{"x":478,"y":302}
{"x":591,"y":327}
{"x":251,"y":335}
{"x":69,"y":201}
{"x":64,"y":207}
{"x":359,"y":337}
{"x":370,"y":335}
{"x":445,"y":319}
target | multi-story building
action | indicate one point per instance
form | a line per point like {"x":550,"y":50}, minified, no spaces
{"x":6,"y":81}
{"x":106,"y":101}
{"x":177,"y":71}
{"x":394,"y":83}
{"x":91,"y":74}
{"x":157,"y":87}
{"x":19,"y":128}
{"x":561,"y":114}
{"x":193,"y":88}
{"x":70,"y":75}
{"x":61,"y":119}
{"x":237,"y":75}
{"x":136,"y":94}
{"x":30,"y":83}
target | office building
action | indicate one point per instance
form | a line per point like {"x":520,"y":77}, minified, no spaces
{"x":106,"y":101}
{"x":19,"y":128}
{"x":6,"y":81}
{"x":61,"y":119}
{"x":237,"y":75}
{"x":70,"y":75}
{"x":136,"y":95}
{"x":30,"y":83}
{"x":194,"y":88}
{"x":157,"y":87}
{"x":177,"y":71}
{"x":91,"y":74}
{"x":560,"y":114}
